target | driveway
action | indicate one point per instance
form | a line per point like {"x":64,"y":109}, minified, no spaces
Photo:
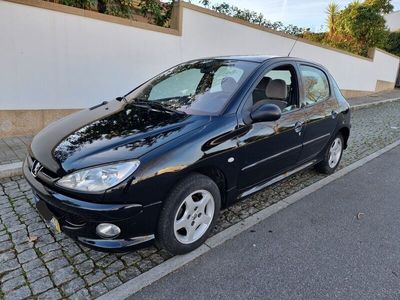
{"x":341,"y":242}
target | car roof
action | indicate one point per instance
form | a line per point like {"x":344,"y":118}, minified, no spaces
{"x":261,"y":58}
{"x":253,"y":58}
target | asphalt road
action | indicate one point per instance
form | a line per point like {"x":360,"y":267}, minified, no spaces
{"x":342,"y":242}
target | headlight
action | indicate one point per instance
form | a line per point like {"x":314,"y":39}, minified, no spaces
{"x":99,"y":178}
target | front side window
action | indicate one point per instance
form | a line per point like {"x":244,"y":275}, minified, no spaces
{"x":201,"y":87}
{"x":278,"y":86}
{"x":315,"y":84}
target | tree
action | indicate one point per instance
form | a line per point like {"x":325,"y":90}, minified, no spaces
{"x":160,"y":12}
{"x":393,"y":43}
{"x":85,"y":4}
{"x":332,"y":12}
{"x":363,"y":22}
{"x":253,"y":17}
{"x":205,"y":3}
{"x":383,"y":6}
{"x":102,"y":6}
{"x":358,"y":27}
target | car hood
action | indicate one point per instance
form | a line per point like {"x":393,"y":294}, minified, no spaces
{"x":107,"y":133}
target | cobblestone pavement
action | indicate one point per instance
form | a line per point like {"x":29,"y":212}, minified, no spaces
{"x":13,"y":149}
{"x":36,"y":263}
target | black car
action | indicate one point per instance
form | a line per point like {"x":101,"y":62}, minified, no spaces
{"x":160,"y":162}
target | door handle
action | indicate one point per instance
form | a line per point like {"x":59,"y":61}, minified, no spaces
{"x":334,"y":114}
{"x":298,"y":127}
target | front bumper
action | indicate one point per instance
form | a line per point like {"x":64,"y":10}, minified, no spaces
{"x":79,"y":219}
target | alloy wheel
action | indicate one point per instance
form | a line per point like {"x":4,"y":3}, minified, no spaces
{"x":194,"y":216}
{"x":335,"y":152}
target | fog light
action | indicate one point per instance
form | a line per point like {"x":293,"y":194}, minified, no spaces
{"x":107,"y":230}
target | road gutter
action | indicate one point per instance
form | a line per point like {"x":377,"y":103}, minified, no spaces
{"x":134,"y":285}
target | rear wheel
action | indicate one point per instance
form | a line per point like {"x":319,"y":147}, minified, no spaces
{"x":332,"y":156}
{"x":189,"y":214}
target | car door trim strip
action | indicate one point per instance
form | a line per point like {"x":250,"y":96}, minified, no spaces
{"x":270,"y":157}
{"x":276,"y":179}
{"x":317,"y":139}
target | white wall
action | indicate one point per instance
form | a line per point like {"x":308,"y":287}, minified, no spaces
{"x":351,"y":73}
{"x":393,"y":21}
{"x":50,"y":59}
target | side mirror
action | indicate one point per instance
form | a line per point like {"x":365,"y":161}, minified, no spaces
{"x":265,"y":113}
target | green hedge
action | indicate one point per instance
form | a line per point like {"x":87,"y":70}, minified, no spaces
{"x":157,"y":12}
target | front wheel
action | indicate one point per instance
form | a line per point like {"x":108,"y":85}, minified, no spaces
{"x":332,"y":156}
{"x":189,"y":214}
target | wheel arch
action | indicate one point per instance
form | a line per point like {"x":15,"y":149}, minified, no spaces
{"x":218,"y":176}
{"x":345,"y":132}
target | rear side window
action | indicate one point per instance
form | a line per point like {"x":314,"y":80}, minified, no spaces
{"x":315,"y":85}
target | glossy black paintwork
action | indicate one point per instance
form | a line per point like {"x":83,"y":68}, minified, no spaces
{"x":111,"y":132}
{"x":265,"y":113}
{"x":170,"y":146}
{"x":279,"y":139}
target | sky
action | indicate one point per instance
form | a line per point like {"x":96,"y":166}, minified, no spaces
{"x":306,"y":13}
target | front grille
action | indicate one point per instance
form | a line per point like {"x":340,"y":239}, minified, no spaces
{"x":49,"y":174}
{"x":32,"y":162}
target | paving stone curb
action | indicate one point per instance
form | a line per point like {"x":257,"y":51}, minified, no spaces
{"x":366,"y":105}
{"x":136,"y":284}
{"x":10,"y":170}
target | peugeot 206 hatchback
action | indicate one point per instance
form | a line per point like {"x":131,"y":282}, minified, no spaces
{"x":160,"y":162}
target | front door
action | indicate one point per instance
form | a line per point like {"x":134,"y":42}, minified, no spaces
{"x":270,"y":148}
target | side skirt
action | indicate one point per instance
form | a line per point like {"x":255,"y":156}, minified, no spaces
{"x":276,"y":179}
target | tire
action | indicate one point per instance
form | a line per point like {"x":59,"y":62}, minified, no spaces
{"x":189,"y":214}
{"x":332,"y":157}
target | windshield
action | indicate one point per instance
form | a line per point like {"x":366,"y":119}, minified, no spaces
{"x":201,"y":87}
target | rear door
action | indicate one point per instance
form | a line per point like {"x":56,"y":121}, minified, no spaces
{"x":321,"y":108}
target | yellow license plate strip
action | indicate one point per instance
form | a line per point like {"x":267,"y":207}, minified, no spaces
{"x":55,"y":225}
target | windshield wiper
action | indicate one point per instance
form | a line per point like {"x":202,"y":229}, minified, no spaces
{"x":157,"y":105}
{"x":122,"y":98}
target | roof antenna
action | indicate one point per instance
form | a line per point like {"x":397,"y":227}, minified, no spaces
{"x":294,"y":44}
